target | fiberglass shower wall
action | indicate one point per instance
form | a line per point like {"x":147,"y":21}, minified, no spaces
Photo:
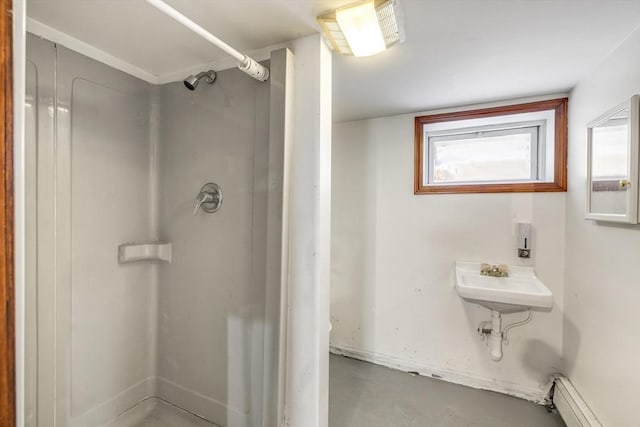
{"x":110,"y":160}
{"x":88,"y":156}
{"x":211,"y":299}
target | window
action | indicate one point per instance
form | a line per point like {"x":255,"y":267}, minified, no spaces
{"x":517,"y":148}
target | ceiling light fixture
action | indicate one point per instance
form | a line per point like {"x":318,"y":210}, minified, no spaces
{"x":364,"y":28}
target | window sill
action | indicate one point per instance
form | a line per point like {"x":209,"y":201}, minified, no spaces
{"x":521,"y":187}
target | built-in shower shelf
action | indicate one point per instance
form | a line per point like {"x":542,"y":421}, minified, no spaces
{"x":135,"y":252}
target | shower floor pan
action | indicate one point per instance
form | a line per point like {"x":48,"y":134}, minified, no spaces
{"x":167,"y":415}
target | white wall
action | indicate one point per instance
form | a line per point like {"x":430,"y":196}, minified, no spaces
{"x":602,"y":293}
{"x":392,"y":295}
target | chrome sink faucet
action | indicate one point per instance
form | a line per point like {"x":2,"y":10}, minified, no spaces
{"x":500,"y":270}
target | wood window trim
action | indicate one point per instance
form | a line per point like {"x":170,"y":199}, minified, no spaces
{"x":7,"y":299}
{"x":560,"y":149}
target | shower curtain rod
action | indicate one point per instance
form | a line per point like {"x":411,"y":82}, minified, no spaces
{"x":245,"y":63}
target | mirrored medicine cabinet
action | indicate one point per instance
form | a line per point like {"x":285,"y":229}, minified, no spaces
{"x":612,"y":164}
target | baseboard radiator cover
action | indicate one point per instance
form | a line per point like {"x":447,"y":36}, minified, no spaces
{"x":572,"y":408}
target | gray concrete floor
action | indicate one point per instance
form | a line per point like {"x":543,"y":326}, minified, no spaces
{"x":362,"y":394}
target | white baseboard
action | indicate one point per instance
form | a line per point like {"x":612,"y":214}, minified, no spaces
{"x":533,"y":394}
{"x":572,"y":408}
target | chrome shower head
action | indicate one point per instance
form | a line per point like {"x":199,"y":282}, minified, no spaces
{"x":192,"y":81}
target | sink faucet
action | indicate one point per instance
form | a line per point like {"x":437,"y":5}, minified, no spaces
{"x":500,"y":270}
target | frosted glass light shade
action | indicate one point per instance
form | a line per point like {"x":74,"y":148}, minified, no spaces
{"x":364,"y":28}
{"x":360,"y":27}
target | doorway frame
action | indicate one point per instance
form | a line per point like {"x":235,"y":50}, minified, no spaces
{"x":7,"y":277}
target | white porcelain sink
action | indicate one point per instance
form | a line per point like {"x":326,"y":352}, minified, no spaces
{"x":521,"y":291}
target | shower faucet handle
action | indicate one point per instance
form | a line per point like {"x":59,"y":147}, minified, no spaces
{"x":209,"y":198}
{"x":202,"y":197}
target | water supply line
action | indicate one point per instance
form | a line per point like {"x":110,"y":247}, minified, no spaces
{"x":515,"y":325}
{"x":245,"y":63}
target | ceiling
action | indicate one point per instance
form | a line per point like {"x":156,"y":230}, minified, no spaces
{"x":456,"y":51}
{"x":464,"y":52}
{"x":137,"y":33}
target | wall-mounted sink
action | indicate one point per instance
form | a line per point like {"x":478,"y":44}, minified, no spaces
{"x":521,"y":291}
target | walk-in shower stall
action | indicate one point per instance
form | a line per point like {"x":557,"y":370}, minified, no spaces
{"x":154,"y":242}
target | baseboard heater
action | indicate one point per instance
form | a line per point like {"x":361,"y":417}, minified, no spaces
{"x":572,"y":408}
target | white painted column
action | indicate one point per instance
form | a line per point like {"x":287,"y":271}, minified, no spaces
{"x":307,"y":367}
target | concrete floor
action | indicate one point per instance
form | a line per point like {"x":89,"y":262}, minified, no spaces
{"x":363,"y":394}
{"x":366,"y":395}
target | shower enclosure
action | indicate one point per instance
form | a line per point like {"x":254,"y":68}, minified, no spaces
{"x":191,"y":327}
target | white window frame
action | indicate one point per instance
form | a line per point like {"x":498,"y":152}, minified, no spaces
{"x":537,"y":129}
